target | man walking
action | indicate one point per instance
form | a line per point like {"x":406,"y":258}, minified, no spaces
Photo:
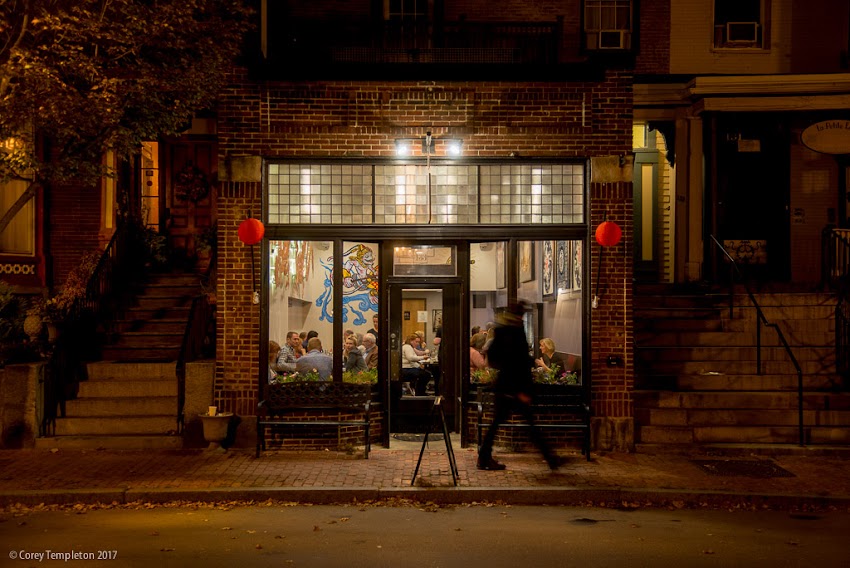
{"x":513,"y":386}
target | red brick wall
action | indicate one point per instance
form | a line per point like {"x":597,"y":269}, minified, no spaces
{"x":654,"y":24}
{"x":612,"y":329}
{"x":351,"y":120}
{"x":237,"y":318}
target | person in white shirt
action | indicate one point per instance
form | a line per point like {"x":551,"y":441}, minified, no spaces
{"x":411,"y":366}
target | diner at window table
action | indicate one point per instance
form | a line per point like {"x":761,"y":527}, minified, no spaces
{"x":476,"y":358}
{"x":370,"y":352}
{"x":352,"y":359}
{"x":315,"y":360}
{"x":549,"y":359}
{"x":412,"y":374}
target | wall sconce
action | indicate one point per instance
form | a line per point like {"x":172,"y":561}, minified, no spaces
{"x":451,"y":147}
{"x":402,"y":147}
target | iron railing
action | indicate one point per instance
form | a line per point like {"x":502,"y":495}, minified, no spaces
{"x":761,"y":320}
{"x":76,"y":342}
{"x":835,"y":276}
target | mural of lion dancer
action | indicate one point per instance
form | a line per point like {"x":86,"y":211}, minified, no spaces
{"x":359,"y":285}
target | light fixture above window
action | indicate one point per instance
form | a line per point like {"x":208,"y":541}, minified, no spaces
{"x":430,"y":146}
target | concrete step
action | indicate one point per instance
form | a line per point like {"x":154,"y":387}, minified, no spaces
{"x":824,"y":338}
{"x":124,"y":442}
{"x":117,"y":425}
{"x":134,"y":354}
{"x":169,"y":313}
{"x":131,"y":371}
{"x":121,"y":406}
{"x":776,"y":313}
{"x":658,"y":301}
{"x":749,"y":435}
{"x":151,"y":326}
{"x":677,"y":325}
{"x":739,"y":417}
{"x":732,"y":353}
{"x":784,"y":367}
{"x":825,"y":382}
{"x":170,"y":290}
{"x":738,"y":400}
{"x":175,"y":279}
{"x":162,"y":302}
{"x":115,"y":388}
{"x":784,"y":299}
{"x":661,"y":312}
{"x":148,"y":340}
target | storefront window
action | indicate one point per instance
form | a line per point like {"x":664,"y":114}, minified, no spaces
{"x":549,"y":281}
{"x":300,"y":290}
{"x":424,"y":261}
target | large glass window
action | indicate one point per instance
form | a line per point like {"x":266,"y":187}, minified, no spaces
{"x":301,"y":296}
{"x":549,"y":280}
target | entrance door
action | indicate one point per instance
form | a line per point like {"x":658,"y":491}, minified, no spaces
{"x":433,"y":309}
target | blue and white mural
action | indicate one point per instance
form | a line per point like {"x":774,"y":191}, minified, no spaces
{"x":359,"y":285}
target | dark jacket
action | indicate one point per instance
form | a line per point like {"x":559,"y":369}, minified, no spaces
{"x":509,"y":354}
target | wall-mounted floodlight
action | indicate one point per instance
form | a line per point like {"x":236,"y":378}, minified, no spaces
{"x":402,"y":147}
{"x":454,"y":148}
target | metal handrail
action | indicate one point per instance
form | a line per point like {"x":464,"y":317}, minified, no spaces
{"x":762,"y":320}
{"x":64,"y":365}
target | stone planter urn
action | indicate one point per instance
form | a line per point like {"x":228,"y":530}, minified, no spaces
{"x":215,"y":429}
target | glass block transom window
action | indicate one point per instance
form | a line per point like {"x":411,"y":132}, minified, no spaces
{"x":402,"y":196}
{"x":531,"y":193}
{"x":499,"y":194}
{"x":320,"y":193}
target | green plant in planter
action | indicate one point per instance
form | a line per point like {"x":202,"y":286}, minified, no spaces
{"x":484,"y":376}
{"x":293,"y":377}
{"x":57,"y":309}
{"x":207,"y":240}
{"x":554,"y":376}
{"x":369,"y":377}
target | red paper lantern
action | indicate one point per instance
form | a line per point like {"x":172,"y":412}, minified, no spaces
{"x":251,"y":231}
{"x":608,"y":233}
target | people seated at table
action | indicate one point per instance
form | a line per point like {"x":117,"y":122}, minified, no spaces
{"x":476,"y":358}
{"x":370,"y":353}
{"x":315,"y":360}
{"x":420,"y":345}
{"x":310,"y":335}
{"x":548,"y":358}
{"x":287,"y":357}
{"x":412,"y":372}
{"x":274,"y":349}
{"x":352,"y":359}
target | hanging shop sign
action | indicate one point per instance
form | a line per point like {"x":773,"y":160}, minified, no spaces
{"x":828,"y":137}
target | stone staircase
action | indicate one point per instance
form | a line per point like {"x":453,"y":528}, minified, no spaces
{"x":697,"y":380}
{"x":130,"y":398}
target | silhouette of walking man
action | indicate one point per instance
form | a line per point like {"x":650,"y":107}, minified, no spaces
{"x":513,"y":386}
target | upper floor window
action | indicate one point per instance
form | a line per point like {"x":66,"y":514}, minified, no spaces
{"x":608,"y":24}
{"x":740,"y":23}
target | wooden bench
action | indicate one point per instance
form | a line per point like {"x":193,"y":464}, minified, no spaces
{"x":313,"y":403}
{"x":565,"y":406}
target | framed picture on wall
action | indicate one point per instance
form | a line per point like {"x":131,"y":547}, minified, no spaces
{"x":436,"y":319}
{"x":525,"y":264}
{"x":500,"y":265}
{"x":577,"y":271}
{"x":562,"y":262}
{"x":548,"y":272}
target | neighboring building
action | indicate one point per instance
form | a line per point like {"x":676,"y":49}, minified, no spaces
{"x":736,"y":98}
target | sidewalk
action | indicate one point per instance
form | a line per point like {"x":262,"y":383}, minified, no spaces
{"x":30,"y":477}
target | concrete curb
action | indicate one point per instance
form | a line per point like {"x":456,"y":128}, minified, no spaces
{"x":567,"y":496}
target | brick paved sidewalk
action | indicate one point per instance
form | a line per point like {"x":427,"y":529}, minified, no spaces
{"x":69,"y":474}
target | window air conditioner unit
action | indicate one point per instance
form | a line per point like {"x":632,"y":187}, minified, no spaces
{"x":614,"y":39}
{"x":742,"y":32}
